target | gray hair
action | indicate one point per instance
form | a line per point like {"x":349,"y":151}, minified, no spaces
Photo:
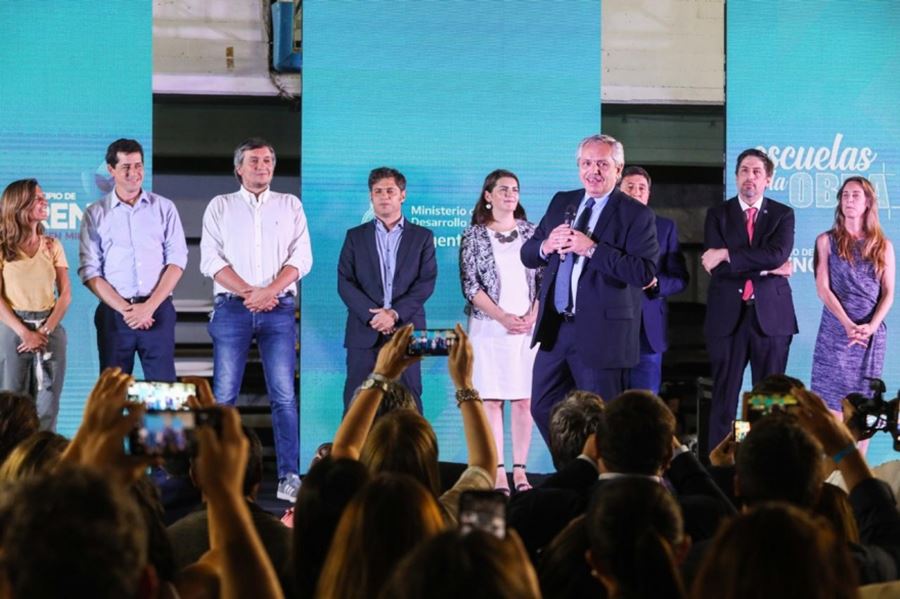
{"x":253,"y":143}
{"x":618,"y":150}
{"x":572,"y":421}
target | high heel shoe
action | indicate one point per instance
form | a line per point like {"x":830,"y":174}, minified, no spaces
{"x":524,"y":486}
{"x":501,"y":476}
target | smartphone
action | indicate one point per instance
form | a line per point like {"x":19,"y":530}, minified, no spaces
{"x":431,"y":342}
{"x":170,"y":433}
{"x":158,"y":395}
{"x":483,"y":510}
{"x":741,"y":428}
{"x":759,"y":405}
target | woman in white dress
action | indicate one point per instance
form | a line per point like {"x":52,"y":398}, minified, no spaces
{"x":501,"y":303}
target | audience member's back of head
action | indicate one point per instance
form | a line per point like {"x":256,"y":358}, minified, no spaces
{"x":474,"y":565}
{"x":776,"y":551}
{"x":572,"y":421}
{"x":636,"y":433}
{"x":18,"y":420}
{"x":390,"y":516}
{"x":38,"y":453}
{"x":71,"y":533}
{"x":563,"y":572}
{"x":395,"y":397}
{"x":779,"y":461}
{"x":635,"y":530}
{"x":777,"y":384}
{"x":327,"y":489}
{"x":403,"y":442}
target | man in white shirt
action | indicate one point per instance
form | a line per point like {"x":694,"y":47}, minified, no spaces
{"x":255,"y":246}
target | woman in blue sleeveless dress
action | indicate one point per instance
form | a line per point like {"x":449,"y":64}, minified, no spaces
{"x":855,"y":280}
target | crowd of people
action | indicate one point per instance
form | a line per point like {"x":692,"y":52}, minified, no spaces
{"x":572,"y":311}
{"x":630,"y":512}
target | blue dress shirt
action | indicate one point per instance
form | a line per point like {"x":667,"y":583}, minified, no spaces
{"x":130,"y":246}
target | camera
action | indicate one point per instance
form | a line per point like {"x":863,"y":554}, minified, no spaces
{"x":874,"y":413}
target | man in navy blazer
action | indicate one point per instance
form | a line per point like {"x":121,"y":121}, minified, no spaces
{"x":749,"y":309}
{"x":386,"y":272}
{"x":671,"y":278}
{"x":599,"y":250}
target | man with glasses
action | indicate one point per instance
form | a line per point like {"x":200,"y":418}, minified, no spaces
{"x":598,"y":248}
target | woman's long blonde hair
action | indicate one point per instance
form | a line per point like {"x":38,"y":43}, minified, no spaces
{"x":15,"y":206}
{"x":874,"y":243}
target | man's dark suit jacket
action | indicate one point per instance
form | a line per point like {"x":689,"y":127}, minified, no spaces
{"x":359,"y":280}
{"x":773,"y":240}
{"x":609,"y":292}
{"x":672,"y":277}
{"x":540,"y":514}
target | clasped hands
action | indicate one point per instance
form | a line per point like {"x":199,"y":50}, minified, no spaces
{"x":517,"y":325}
{"x":384,"y":320}
{"x":566,"y":240}
{"x":259,"y":299}
{"x":139,"y":316}
{"x":859,"y":334}
{"x":32,"y":341}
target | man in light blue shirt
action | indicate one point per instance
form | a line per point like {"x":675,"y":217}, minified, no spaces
{"x":386,"y":272}
{"x":132,"y":254}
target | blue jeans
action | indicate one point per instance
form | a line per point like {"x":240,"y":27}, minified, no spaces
{"x":233,"y":328}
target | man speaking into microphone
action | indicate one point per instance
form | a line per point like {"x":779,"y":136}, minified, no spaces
{"x":599,"y":248}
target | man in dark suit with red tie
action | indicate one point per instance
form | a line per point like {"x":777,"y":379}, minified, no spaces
{"x":749,"y":309}
{"x":598,"y":246}
{"x":671,"y":278}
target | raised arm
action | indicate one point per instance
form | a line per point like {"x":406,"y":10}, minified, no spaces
{"x":236,"y":551}
{"x":479,"y":440}
{"x":391,"y":362}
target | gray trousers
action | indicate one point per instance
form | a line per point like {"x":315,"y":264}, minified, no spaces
{"x":39,"y":374}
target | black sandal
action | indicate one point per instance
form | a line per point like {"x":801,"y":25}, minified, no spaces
{"x":520,"y":487}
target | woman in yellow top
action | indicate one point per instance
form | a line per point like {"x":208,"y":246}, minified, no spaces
{"x":34,"y":285}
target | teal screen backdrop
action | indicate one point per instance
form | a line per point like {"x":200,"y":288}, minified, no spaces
{"x":74,"y":76}
{"x":445,"y":92}
{"x":815,"y":85}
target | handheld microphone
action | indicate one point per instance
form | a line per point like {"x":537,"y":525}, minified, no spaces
{"x":569,"y":219}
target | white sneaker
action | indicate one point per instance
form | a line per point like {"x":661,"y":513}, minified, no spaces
{"x":288,"y":487}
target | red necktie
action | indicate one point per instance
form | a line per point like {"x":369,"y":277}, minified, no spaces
{"x":751,"y":220}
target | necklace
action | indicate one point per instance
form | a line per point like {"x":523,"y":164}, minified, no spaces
{"x":509,"y":238}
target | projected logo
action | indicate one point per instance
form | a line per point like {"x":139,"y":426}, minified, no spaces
{"x":812,"y":175}
{"x":65,"y":212}
{"x":446,"y":222}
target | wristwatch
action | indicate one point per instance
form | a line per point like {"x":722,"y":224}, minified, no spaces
{"x":590,"y":253}
{"x":376,"y":380}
